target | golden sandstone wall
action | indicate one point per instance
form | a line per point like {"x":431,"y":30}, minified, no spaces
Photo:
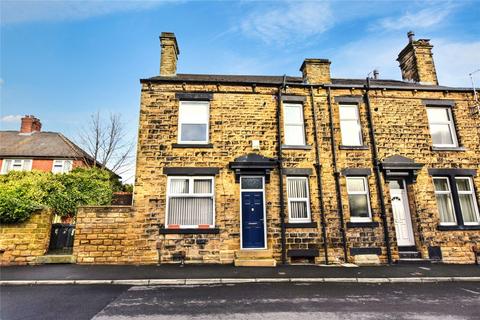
{"x":21,"y":243}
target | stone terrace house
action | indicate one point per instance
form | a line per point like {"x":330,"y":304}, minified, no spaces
{"x":34,"y":149}
{"x":260,"y":170}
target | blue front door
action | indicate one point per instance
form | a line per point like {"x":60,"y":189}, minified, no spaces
{"x":253,"y":231}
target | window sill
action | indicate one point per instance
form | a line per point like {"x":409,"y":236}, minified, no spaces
{"x":342,"y":147}
{"x":372,"y":224}
{"x":457,"y":228}
{"x":290,"y":147}
{"x":448,"y":149}
{"x":189,"y":231}
{"x":300,"y":225}
{"x":187,"y":145}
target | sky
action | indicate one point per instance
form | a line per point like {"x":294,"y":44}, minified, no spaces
{"x":62,"y":61}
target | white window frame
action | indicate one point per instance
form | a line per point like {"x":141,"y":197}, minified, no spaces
{"x":351,"y":120}
{"x":6,"y":169}
{"x":472,"y":194}
{"x":306,"y":200}
{"x":180,"y":123}
{"x":63,"y":163}
{"x":192,"y":195}
{"x":287,"y":123}
{"x":451,"y":126}
{"x":366,"y":192}
{"x":449,"y":191}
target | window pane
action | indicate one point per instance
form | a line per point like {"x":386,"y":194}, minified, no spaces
{"x":441,"y":134}
{"x":438,"y":114}
{"x":356,"y":185}
{"x":358,"y":205}
{"x":299,"y":210}
{"x":190,"y":211}
{"x":467,"y":206}
{"x":194,"y":112}
{"x":178,"y":186}
{"x":348,"y":112}
{"x":67,"y":166}
{"x":297,"y":188}
{"x":252,"y":183}
{"x":294,"y":135}
{"x":293,"y":114}
{"x":463,"y":184}
{"x":351,"y":135}
{"x":441,"y":185}
{"x":194,"y":132}
{"x":444,"y":203}
{"x":202,"y":186}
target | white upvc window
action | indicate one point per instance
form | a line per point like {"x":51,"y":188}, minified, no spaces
{"x":442,"y":127}
{"x":62,"y":166}
{"x":293,"y":124}
{"x":190,"y":202}
{"x":16,"y":165}
{"x":350,"y":126}
{"x":193,"y":122}
{"x":298,"y":199}
{"x":443,"y":194}
{"x":468,"y":202}
{"x":359,"y":199}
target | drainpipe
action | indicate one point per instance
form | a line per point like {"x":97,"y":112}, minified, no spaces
{"x":318,"y":168}
{"x":336,"y":174}
{"x":280,"y":170}
{"x":378,"y":173}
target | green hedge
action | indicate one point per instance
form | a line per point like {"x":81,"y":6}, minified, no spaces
{"x":21,"y":193}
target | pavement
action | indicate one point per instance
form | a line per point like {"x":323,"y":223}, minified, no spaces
{"x":222,"y":274}
{"x":266,"y":301}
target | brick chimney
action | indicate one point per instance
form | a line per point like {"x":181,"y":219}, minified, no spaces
{"x":416,"y":61}
{"x":316,"y":71}
{"x":30,"y":124}
{"x":169,"y":54}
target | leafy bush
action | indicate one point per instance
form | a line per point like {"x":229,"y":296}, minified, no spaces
{"x":21,"y":193}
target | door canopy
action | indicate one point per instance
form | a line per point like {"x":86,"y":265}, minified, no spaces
{"x":253,"y":164}
{"x":400,"y":167}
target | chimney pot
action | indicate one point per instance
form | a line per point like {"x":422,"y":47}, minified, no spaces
{"x":169,"y":54}
{"x":411,"y":36}
{"x":375,"y":74}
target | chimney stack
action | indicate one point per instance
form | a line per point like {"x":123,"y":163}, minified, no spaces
{"x":169,"y":54}
{"x":416,"y":61}
{"x":316,"y":71}
{"x":30,"y":124}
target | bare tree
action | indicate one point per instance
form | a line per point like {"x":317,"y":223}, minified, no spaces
{"x":108,"y":143}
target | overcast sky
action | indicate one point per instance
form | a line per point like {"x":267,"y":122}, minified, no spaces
{"x":64,"y":60}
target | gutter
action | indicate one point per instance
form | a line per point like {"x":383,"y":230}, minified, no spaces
{"x":318,"y":168}
{"x":378,"y":173}
{"x":280,"y":170}
{"x":336,"y":174}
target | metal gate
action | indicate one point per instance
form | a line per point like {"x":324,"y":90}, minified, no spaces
{"x":61,"y":238}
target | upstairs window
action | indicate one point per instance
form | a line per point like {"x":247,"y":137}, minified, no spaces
{"x":358,"y":199}
{"x":190,"y":202}
{"x":442,"y":128}
{"x":298,"y":199}
{"x":193,"y":122}
{"x":62,"y":166}
{"x":16,"y":165}
{"x":350,"y":125}
{"x":293,"y":123}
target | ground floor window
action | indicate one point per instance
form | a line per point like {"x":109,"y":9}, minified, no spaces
{"x":62,"y":166}
{"x":358,"y":199}
{"x":298,"y":199}
{"x":16,"y":165}
{"x":190,"y":202}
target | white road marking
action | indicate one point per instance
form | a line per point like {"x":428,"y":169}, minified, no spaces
{"x":468,"y":290}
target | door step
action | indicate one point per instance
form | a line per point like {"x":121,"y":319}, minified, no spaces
{"x":413,"y":261}
{"x":254,"y":258}
{"x":55,"y":258}
{"x":410,"y":255}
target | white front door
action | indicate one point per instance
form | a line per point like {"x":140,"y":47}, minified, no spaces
{"x":401,"y":213}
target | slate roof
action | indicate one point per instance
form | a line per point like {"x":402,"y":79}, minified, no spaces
{"x":39,"y":144}
{"x":250,"y":79}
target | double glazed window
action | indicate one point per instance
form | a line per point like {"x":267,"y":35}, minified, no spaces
{"x":293,"y":123}
{"x":190,"y":202}
{"x":358,"y":199}
{"x":463,"y":194}
{"x":16,"y":165}
{"x":62,"y":166}
{"x":193,"y":119}
{"x":350,"y":125}
{"x":298,"y":199}
{"x":442,"y":127}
